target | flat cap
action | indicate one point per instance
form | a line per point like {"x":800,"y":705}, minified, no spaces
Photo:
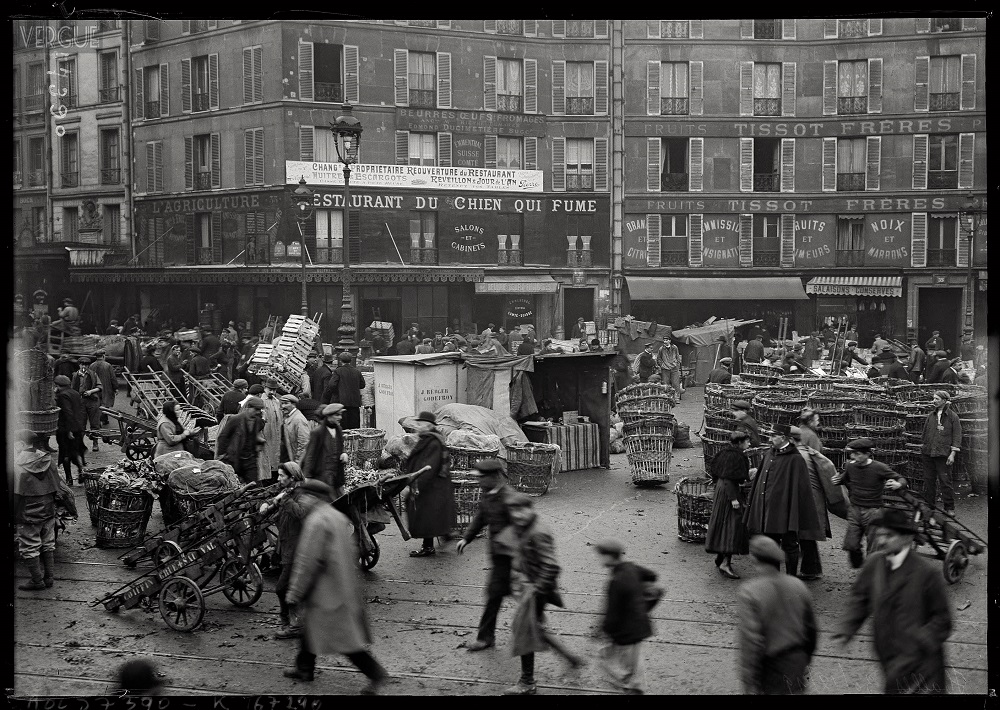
{"x":84,"y":360}
{"x":610,"y":546}
{"x":62,"y":381}
{"x":487,"y":466}
{"x":726,"y":361}
{"x":100,"y":353}
{"x":862,"y":444}
{"x":255,"y":402}
{"x":291,"y":398}
{"x":194,"y":349}
{"x":240,"y":382}
{"x":257,"y":389}
{"x":345,"y":357}
{"x":742,"y":404}
{"x":765,"y":549}
{"x":316,"y":487}
{"x":332,"y":408}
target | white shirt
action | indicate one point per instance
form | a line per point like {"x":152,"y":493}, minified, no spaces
{"x":895,"y":561}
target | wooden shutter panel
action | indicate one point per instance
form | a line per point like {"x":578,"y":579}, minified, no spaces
{"x":192,"y":248}
{"x":696,"y":92}
{"x":652,"y":88}
{"x":559,"y":87}
{"x":600,"y":28}
{"x":830,"y":87}
{"x":444,"y":149}
{"x":558,"y":28}
{"x":530,"y":28}
{"x":746,"y":164}
{"x":966,"y":156}
{"x":601,"y":88}
{"x":696,"y":29}
{"x":788,"y":29}
{"x":164,"y":89}
{"x":746,"y":29}
{"x":875,"y":85}
{"x":652,"y":29}
{"x":248,"y":157}
{"x":306,"y":71}
{"x":213,"y":81}
{"x":696,"y":164}
{"x":530,"y":153}
{"x":490,"y":150}
{"x":696,"y":240}
{"x":306,"y":143}
{"x":158,"y":165}
{"x":216,"y":237}
{"x":402,"y":147}
{"x":963,"y":247}
{"x":216,"y":160}
{"x":746,"y":88}
{"x":787,"y":240}
{"x":490,"y":26}
{"x":402,"y":77}
{"x":923,"y":24}
{"x":444,"y":79}
{"x":258,"y":151}
{"x":652,"y":240}
{"x":530,"y":86}
{"x":653,"y":164}
{"x":258,"y":74}
{"x":829,"y":29}
{"x":186,"y":85}
{"x":920,"y":161}
{"x":787,"y":165}
{"x":922,"y":97}
{"x":875,"y":27}
{"x":247,"y":75}
{"x":873,"y":158}
{"x":150,"y":167}
{"x":746,"y":240}
{"x":788,"y":88}
{"x":352,"y":80}
{"x":140,"y":105}
{"x":600,"y":164}
{"x":918,"y":240}
{"x":490,"y":83}
{"x":559,"y":164}
{"x":188,"y":163}
{"x":968,"y":68}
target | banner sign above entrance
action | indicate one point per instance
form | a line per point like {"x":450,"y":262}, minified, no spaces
{"x":422,"y":176}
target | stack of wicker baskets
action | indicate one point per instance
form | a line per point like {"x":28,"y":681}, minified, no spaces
{"x":648,"y":431}
{"x":970,"y":403}
{"x":34,"y":393}
{"x":363,"y":446}
{"x":759,"y":373}
{"x":465,"y":484}
{"x":529,"y":466}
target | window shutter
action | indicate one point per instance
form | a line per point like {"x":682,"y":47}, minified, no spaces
{"x":746,"y":240}
{"x":444,"y":149}
{"x":963,"y":247}
{"x":923,"y":24}
{"x":402,"y":147}
{"x":830,"y":87}
{"x":918,"y":240}
{"x":788,"y":165}
{"x":746,"y":88}
{"x":652,"y":240}
{"x":164,"y":89}
{"x":186,"y":85}
{"x":402,"y":77}
{"x":652,"y":29}
{"x":968,"y":99}
{"x":213,"y":81}
{"x":188,"y":163}
{"x":600,"y":164}
{"x":695,"y":240}
{"x":558,"y":28}
{"x":158,"y":165}
{"x":873,"y":153}
{"x":248,"y":157}
{"x":601,"y":88}
{"x":875,"y":85}
{"x":530,"y":153}
{"x":788,"y":29}
{"x":490,"y":150}
{"x":600,"y":28}
{"x":696,"y":164}
{"x":746,"y":29}
{"x":829,"y":29}
{"x":216,"y":160}
{"x":140,"y":106}
{"x":696,"y":93}
{"x":530,"y":28}
{"x":192,"y":248}
{"x":875,"y":27}
{"x":921,"y":98}
{"x":216,"y":237}
{"x":354,"y":235}
{"x":185,"y":27}
{"x":788,"y":88}
{"x":652,"y":88}
{"x":920,"y":161}
{"x":531,"y":86}
{"x":653,"y":165}
{"x":258,"y":74}
{"x":787,"y":240}
{"x":352,"y":82}
{"x":306,"y":143}
{"x":306,"y":71}
{"x":746,"y":164}
{"x":247,"y":75}
{"x":559,"y":87}
{"x":559,"y":164}
{"x":489,"y":83}
{"x":490,"y":26}
{"x":150,"y":167}
{"x":444,"y":80}
{"x":696,"y":29}
{"x":966,"y":146}
{"x":258,"y":153}
{"x":444,"y":24}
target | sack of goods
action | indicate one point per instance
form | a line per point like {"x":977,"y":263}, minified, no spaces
{"x":682,"y":436}
{"x":199,"y":476}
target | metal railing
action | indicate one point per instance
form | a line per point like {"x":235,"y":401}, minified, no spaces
{"x":673,"y":257}
{"x":422,"y":98}
{"x":205,"y":255}
{"x":70,"y":179}
{"x":766,"y":257}
{"x":577,"y":181}
{"x":580,"y":105}
{"x":852,"y":257}
{"x":509,"y":103}
{"x":202,"y":181}
{"x":33,"y":103}
{"x":199,"y":102}
{"x":17,"y":178}
{"x":849,"y":105}
{"x":853,"y":28}
{"x":579,"y":28}
{"x":850,"y":182}
{"x":108,"y":95}
{"x":674,"y":29}
{"x":69,"y":100}
{"x":942,"y":179}
{"x":111,"y":176}
{"x":329,"y":92}
{"x":673,"y":106}
{"x":510,"y":27}
{"x":945,"y":102}
{"x":152,"y":109}
{"x":766,"y":107}
{"x":942,"y":257}
{"x":766,"y":182}
{"x":767,"y":29}
{"x":673,"y":182}
{"x":36,"y":178}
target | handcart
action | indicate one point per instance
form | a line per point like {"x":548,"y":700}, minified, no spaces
{"x":137,"y":436}
{"x":151,"y":390}
{"x":210,"y":390}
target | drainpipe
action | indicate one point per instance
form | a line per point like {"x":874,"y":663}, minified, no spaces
{"x":127,"y":136}
{"x":617,"y":160}
{"x":46,"y":116}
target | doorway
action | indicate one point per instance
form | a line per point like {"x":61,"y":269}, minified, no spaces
{"x":577,"y":303}
{"x":940,"y":309}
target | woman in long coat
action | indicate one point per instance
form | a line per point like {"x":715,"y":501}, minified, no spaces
{"x":430,"y":508}
{"x":727,"y":535}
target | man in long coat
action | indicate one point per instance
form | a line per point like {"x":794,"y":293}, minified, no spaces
{"x":430,"y":508}
{"x":345,"y":387}
{"x":915,"y":363}
{"x":908,"y":603}
{"x":326,"y":591}
{"x":239,"y":438}
{"x":647,"y":363}
{"x":295,"y":430}
{"x":781,"y":503}
{"x":109,"y":383}
{"x":273,"y":418}
{"x":69,"y":431}
{"x":325,"y":458}
{"x":88,"y":384}
{"x":812,"y":567}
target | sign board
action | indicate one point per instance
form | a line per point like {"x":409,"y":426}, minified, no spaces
{"x":435,"y":120}
{"x":422,"y":176}
{"x":816,"y":240}
{"x":721,"y":240}
{"x":887,"y":240}
{"x":520,"y":308}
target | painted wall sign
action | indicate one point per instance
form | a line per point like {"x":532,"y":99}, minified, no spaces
{"x":427,"y":120}
{"x":520,"y":308}
{"x":468,"y":244}
{"x":979,"y":258}
{"x":816,"y":240}
{"x":812,"y":129}
{"x":634,"y":242}
{"x":721,"y":240}
{"x":887,"y":240}
{"x":422,"y":176}
{"x":467,"y":151}
{"x":790,"y":205}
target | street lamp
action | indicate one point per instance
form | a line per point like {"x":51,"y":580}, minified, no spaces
{"x":347,"y":140}
{"x":970,"y":219}
{"x":303,"y":198}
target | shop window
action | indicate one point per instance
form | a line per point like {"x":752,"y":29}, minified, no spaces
{"x":203,"y":236}
{"x":423,"y":238}
{"x":673,"y":240}
{"x":767,"y":242}
{"x":111,"y":173}
{"x":766,"y":159}
{"x":945,"y":83}
{"x":107,"y":91}
{"x":851,"y":164}
{"x":329,"y":236}
{"x":70,"y":160}
{"x":580,"y":88}
{"x":942,"y":161}
{"x":766,"y":89}
{"x":423,"y":147}
{"x":422,"y":79}
{"x":850,"y":241}
{"x":579,"y":164}
{"x":674,"y":88}
{"x":509,"y":153}
{"x":942,"y":240}
{"x":510,"y":85}
{"x":852,"y":87}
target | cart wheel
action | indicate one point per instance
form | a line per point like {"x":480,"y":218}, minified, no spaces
{"x":370,"y":559}
{"x":243,"y":584}
{"x":166,"y":551}
{"x":138,"y":449}
{"x":182,"y":604}
{"x":955,"y":561}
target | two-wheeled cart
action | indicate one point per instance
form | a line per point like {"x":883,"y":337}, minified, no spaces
{"x":135,"y":435}
{"x":210,"y":390}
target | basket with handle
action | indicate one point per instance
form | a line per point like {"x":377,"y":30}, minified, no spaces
{"x":41,"y":422}
{"x":758,"y":378}
{"x":915,"y":423}
{"x":649,"y":458}
{"x":646,"y":389}
{"x":694,"y":507}
{"x":882,"y":415}
{"x":363,"y":445}
{"x":122,"y":516}
{"x":467,"y":494}
{"x":464,"y":459}
{"x":529,"y":466}
{"x":760,"y":368}
{"x":657,"y":424}
{"x":926,"y":392}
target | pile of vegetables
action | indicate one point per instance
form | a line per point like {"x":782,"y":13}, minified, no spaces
{"x":133,"y":475}
{"x":357,"y":477}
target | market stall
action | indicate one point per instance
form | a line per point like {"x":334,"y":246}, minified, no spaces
{"x":700,"y":346}
{"x":406,"y":385}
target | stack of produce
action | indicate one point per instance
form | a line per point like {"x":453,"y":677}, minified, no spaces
{"x":356,"y":477}
{"x":125,"y":502}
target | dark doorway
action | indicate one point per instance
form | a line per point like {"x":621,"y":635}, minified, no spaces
{"x":577,"y":303}
{"x":941,"y":309}
{"x":382,"y":309}
{"x":486,"y":309}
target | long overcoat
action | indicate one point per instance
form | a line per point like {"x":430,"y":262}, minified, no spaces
{"x":822,"y":531}
{"x":109,"y":383}
{"x":430,"y":509}
{"x":726,"y":532}
{"x":325,"y":584}
{"x":781,"y":497}
{"x":295,"y":432}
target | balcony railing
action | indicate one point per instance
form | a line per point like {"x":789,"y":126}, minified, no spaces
{"x":945,"y":102}
{"x":853,"y":28}
{"x":152,"y":109}
{"x":848,"y":105}
{"x":36,"y":178}
{"x":766,"y":182}
{"x":509,"y":103}
{"x":424,"y":255}
{"x":202,"y":181}
{"x":946,"y":24}
{"x":576,"y":181}
{"x":33,"y":103}
{"x":767,"y":29}
{"x":71,"y":179}
{"x":69,"y":100}
{"x":673,"y":257}
{"x":199,"y":102}
{"x":510,"y":27}
{"x":766,"y":257}
{"x":673,"y":29}
{"x":942,"y":179}
{"x":850,"y":257}
{"x":330,"y":92}
{"x":673,"y":106}
{"x":766,"y":107}
{"x":942,"y":257}
{"x":204,"y":255}
{"x":580,"y":105}
{"x":108,"y":95}
{"x":579,"y":28}
{"x":199,"y":26}
{"x":422,"y":98}
{"x":111,"y":176}
{"x":674,"y":182}
{"x":850,"y":182}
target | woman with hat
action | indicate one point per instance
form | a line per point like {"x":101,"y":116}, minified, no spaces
{"x":746,"y":422}
{"x":727,"y":535}
{"x":941,"y":443}
{"x":430,"y":506}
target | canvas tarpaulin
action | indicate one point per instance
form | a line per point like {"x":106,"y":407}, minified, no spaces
{"x":482,"y":382}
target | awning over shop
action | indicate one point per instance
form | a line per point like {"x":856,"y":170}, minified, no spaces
{"x":663,"y":288}
{"x":856,"y":285}
{"x":495,"y":283}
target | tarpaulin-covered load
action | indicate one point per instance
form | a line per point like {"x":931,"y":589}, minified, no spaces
{"x":168,"y":463}
{"x":699,"y":346}
{"x":400,"y":446}
{"x":471,"y":440}
{"x":475,"y":419}
{"x":634,"y":334}
{"x":499,"y":383}
{"x":203,"y":477}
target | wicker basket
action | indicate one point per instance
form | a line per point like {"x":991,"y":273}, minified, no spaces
{"x":965,"y":404}
{"x":926,"y":391}
{"x":978,"y":427}
{"x":896,"y":459}
{"x":860,"y":390}
{"x":467,"y":493}
{"x":694,"y":508}
{"x":659,"y":424}
{"x":645,"y":389}
{"x":716,"y":435}
{"x":43,"y":422}
{"x":833,"y":437}
{"x":32,"y":365}
{"x":652,"y":404}
{"x":915,"y":423}
{"x":122,"y":516}
{"x":529,"y":466}
{"x":808,"y":383}
{"x":756,"y":379}
{"x":881,"y":416}
{"x":463,"y":459}
{"x":363,"y":445}
{"x":756,"y":456}
{"x":834,"y":418}
{"x":837,"y":456}
{"x":882,"y":437}
{"x":977,"y":462}
{"x":759,"y":368}
{"x":723,"y":396}
{"x":175,"y":504}
{"x":91,"y":480}
{"x":720,"y":420}
{"x":777,"y":410}
{"x":649,"y":458}
{"x":710,"y":449}
{"x":638,"y":415}
{"x":831,"y":399}
{"x":919,"y":407}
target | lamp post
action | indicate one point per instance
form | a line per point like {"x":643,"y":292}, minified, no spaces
{"x":303,"y":198}
{"x":970,"y":218}
{"x":347,"y":140}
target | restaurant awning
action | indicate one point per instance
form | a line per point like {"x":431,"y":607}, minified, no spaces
{"x":665,"y":288}
{"x":496,"y":283}
{"x":856,"y":285}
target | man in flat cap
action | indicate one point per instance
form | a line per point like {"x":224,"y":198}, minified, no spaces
{"x":494,"y":514}
{"x":88,"y":384}
{"x":345,"y":387}
{"x":69,"y":429}
{"x":240,"y":440}
{"x":777,"y":625}
{"x":109,"y":382}
{"x":941,"y":443}
{"x":865,"y":479}
{"x":721,"y":375}
{"x":295,"y":430}
{"x":780,"y":502}
{"x":325,"y":458}
{"x":199,"y":368}
{"x":231,"y":400}
{"x":896,"y":368}
{"x":272,"y":417}
{"x":746,"y":422}
{"x":935,"y":342}
{"x":908,"y":602}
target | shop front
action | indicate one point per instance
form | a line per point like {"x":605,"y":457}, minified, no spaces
{"x":936,"y":301}
{"x":873,"y":304}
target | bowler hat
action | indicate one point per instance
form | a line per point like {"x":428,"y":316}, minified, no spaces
{"x":316,"y":487}
{"x":328,"y":357}
{"x":486,"y":467}
{"x":255,"y":402}
{"x":333,"y":408}
{"x":741,"y":404}
{"x":427,"y":417}
{"x":862,"y":444}
{"x":610,"y":546}
{"x":898,"y":520}
{"x":271,"y":382}
{"x":782,"y":429}
{"x":766,"y":550}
